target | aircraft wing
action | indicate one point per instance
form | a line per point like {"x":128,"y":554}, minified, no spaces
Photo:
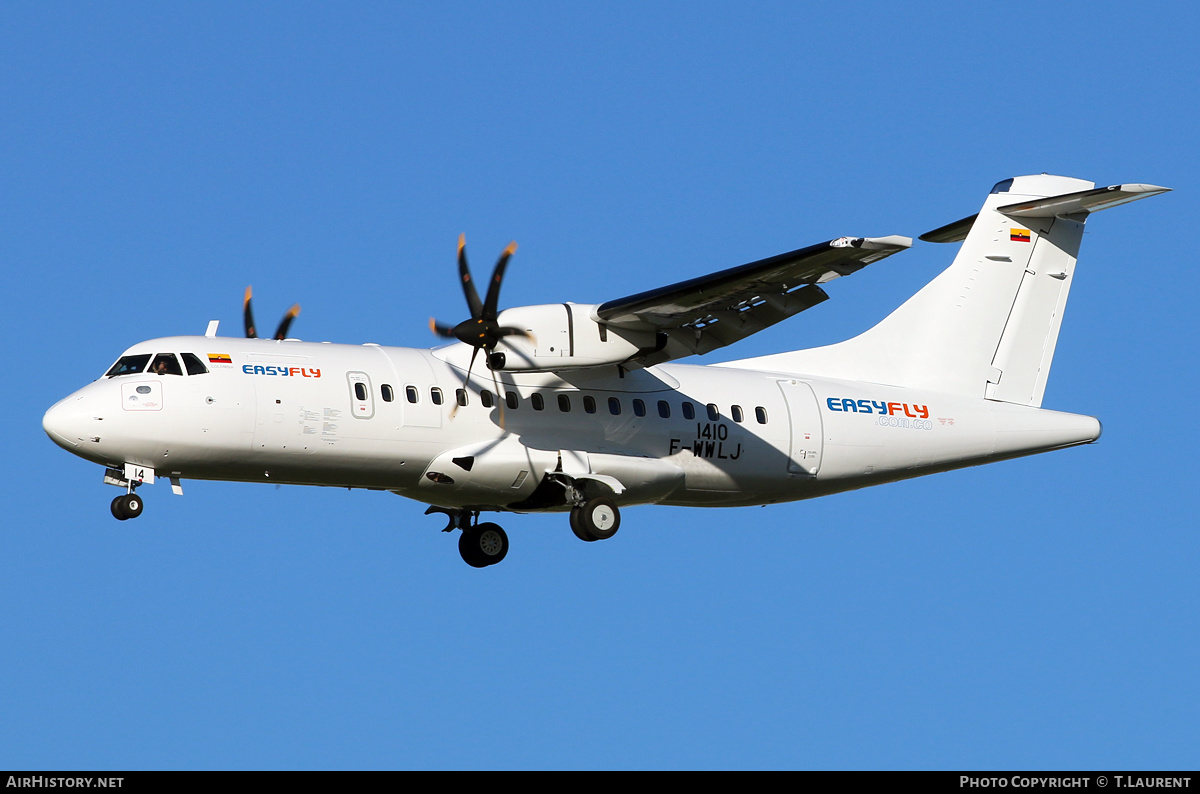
{"x":705,"y":313}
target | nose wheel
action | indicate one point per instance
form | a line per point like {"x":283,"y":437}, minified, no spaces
{"x":126,"y":506}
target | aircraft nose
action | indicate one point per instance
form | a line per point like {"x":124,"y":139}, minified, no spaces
{"x":65,"y":422}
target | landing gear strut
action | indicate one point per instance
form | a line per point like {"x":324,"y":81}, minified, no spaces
{"x":595,"y":519}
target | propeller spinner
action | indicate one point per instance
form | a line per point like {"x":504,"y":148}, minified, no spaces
{"x":284,"y":324}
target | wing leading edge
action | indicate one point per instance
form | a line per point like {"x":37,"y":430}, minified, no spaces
{"x":702,"y":314}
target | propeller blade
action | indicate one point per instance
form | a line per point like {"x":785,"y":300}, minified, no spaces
{"x":480,"y":330}
{"x":286,"y":322}
{"x":509,"y":330}
{"x":466,"y":381}
{"x":499,"y":398}
{"x":493,"y":293}
{"x":248,"y":317}
{"x":441,"y":329}
{"x":473,"y":302}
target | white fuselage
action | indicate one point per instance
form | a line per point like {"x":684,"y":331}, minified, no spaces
{"x":367,"y":416}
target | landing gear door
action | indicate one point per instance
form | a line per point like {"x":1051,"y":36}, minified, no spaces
{"x":804,"y":416}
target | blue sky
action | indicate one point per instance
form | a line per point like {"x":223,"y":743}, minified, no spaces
{"x":157,"y":158}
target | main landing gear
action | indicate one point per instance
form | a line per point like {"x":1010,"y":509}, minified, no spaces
{"x":486,"y":544}
{"x":483,"y":545}
{"x":595,"y":519}
{"x":480,"y":545}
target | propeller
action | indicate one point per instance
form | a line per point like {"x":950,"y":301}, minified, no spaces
{"x":481,"y":331}
{"x":284,"y":324}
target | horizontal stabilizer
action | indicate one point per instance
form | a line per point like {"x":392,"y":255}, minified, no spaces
{"x":1084,"y":201}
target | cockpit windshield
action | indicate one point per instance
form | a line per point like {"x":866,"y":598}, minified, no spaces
{"x":194,"y":365}
{"x":166,"y":364}
{"x":129,"y":365}
{"x":163,"y":364}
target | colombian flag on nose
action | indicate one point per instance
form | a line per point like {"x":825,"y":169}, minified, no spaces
{"x":1019,"y":235}
{"x":219,"y":358}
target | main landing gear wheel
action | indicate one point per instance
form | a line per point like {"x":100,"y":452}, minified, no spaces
{"x":596,"y":519}
{"x":483,"y":545}
{"x":126,"y":506}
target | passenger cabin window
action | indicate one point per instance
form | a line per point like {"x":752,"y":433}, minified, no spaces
{"x":511,"y":399}
{"x":736,"y":412}
{"x":165,"y":364}
{"x":360,"y":390}
{"x":639,"y":407}
{"x":410,"y":393}
{"x":589,"y":404}
{"x":760,"y":414}
{"x":128,"y":365}
{"x":689,"y":411}
{"x":537,"y":401}
{"x":193,"y":364}
{"x":386,"y":392}
{"x":435,"y":394}
{"x":614,"y":406}
{"x":713,"y":413}
{"x":460,"y":396}
{"x":664,"y":409}
{"x":485,"y":397}
{"x":564,"y":403}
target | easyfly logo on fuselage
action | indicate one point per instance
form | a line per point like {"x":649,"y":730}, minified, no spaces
{"x":847,"y":405}
{"x":281,"y":371}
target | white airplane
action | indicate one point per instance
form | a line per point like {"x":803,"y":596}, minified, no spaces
{"x":581,"y":412}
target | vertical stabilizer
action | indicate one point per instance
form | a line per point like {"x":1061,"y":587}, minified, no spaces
{"x":987,"y":326}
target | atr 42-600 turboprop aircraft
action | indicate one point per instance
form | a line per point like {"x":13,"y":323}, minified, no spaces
{"x":580,"y":412}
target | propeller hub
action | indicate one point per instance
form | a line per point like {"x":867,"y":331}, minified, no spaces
{"x":477,"y":333}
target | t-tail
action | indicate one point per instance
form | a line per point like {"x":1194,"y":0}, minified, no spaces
{"x":987,"y":326}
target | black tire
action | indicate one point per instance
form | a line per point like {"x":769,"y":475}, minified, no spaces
{"x":578,"y":528}
{"x":118,"y":508}
{"x":483,"y":545}
{"x":598,"y":519}
{"x":132,"y":504}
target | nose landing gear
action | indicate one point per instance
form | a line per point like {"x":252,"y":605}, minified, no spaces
{"x":126,"y":506}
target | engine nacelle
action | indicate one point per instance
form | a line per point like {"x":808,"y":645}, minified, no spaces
{"x":563,"y":336}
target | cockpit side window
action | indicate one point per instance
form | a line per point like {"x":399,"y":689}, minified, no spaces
{"x":128,"y":365}
{"x":165,"y":364}
{"x":193,"y":364}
